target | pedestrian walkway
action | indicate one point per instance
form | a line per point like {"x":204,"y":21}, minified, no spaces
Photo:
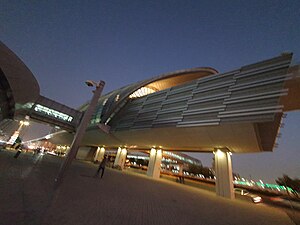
{"x":27,"y":197}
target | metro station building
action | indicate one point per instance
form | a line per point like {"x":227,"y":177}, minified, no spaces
{"x":192,"y":110}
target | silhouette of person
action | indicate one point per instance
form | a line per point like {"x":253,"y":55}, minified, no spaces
{"x":101,"y":167}
{"x":180,"y":173}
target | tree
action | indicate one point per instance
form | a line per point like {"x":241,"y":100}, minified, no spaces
{"x":195,"y":169}
{"x":294,"y":184}
{"x":199,"y":169}
{"x":207,"y":172}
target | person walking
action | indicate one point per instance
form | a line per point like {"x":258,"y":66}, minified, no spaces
{"x":180,"y":174}
{"x":101,"y":167}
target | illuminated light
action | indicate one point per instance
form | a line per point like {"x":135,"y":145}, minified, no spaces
{"x":143,"y":91}
{"x":48,"y":136}
{"x":104,"y":102}
{"x":28,"y":105}
{"x":153,"y":151}
{"x":159,"y":152}
{"x":25,"y":123}
{"x":124,"y":151}
{"x":107,"y":121}
{"x":219,"y":153}
{"x":133,"y":146}
{"x":257,"y":199}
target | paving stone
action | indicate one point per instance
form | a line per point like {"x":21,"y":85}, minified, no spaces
{"x":28,"y":197}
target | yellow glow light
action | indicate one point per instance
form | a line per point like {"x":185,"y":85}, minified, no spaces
{"x":142,"y":92}
{"x":159,"y":152}
{"x":219,"y":153}
{"x":153,"y":151}
{"x":124,"y":151}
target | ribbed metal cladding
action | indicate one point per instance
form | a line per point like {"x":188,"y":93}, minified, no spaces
{"x":249,"y":94}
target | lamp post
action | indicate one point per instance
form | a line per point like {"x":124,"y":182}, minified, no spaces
{"x":80,"y":131}
{"x":16,"y":134}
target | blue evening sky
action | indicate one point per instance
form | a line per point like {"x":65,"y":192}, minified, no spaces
{"x":67,"y":42}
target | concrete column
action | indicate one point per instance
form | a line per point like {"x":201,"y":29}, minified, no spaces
{"x":154,"y":163}
{"x":121,"y":158}
{"x":96,"y":154}
{"x":151,"y":162}
{"x":117,"y":157}
{"x":99,"y":154}
{"x":224,"y":179}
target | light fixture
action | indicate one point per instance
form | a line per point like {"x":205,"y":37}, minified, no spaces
{"x":90,"y":83}
{"x":142,"y":92}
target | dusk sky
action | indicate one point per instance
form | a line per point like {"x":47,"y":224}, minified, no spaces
{"x":67,"y":42}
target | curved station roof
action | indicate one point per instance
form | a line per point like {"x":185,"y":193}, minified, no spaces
{"x":196,"y":110}
{"x":15,"y":81}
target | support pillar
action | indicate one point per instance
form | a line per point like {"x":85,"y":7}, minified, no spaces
{"x":224,"y":179}
{"x":120,"y":158}
{"x":117,"y":156}
{"x":154,"y":163}
{"x":99,"y":154}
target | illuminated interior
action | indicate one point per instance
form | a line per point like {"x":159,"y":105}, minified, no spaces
{"x":171,"y":80}
{"x":142,"y":92}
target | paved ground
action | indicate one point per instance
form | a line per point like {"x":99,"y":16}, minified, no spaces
{"x":27,"y":197}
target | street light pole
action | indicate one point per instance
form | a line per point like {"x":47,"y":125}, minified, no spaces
{"x":80,"y":131}
{"x":16,"y":134}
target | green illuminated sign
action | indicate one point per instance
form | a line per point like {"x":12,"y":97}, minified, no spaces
{"x":53,"y":113}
